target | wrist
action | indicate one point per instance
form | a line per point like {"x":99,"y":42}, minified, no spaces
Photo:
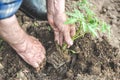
{"x":59,"y":6}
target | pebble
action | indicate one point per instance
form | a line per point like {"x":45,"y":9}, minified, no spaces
{"x":109,"y":8}
{"x":114,"y":21}
{"x":112,"y":16}
{"x":118,"y":9}
{"x":21,"y":76}
{"x":104,"y":10}
{"x":118,"y":16}
{"x":1,"y":66}
{"x":70,"y":74}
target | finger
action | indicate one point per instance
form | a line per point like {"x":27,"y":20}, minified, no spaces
{"x":67,"y":37}
{"x":56,"y":34}
{"x":60,"y":38}
{"x":72,"y":30}
{"x":41,"y":65}
{"x":33,"y":64}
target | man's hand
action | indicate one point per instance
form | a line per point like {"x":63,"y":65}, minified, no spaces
{"x":29,"y":48}
{"x":56,"y":18}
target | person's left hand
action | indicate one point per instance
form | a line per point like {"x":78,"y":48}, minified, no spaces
{"x":57,"y":18}
{"x":62,"y":31}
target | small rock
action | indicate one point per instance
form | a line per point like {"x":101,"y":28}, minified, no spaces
{"x":104,"y":10}
{"x":114,"y":21}
{"x":109,"y":8}
{"x":21,"y":76}
{"x":112,"y":16}
{"x":70,"y":74}
{"x":118,"y":16}
{"x":67,"y":57}
{"x":118,"y":9}
{"x":1,"y":66}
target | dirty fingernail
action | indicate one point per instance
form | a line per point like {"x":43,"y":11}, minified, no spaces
{"x":38,"y":69}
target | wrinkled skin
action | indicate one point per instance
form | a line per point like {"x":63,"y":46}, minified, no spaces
{"x":28,"y":47}
{"x":56,"y":18}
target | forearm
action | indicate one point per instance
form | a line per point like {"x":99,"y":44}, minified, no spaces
{"x":10,"y":27}
{"x":56,"y":6}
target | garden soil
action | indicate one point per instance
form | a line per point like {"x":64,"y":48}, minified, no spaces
{"x":94,"y":59}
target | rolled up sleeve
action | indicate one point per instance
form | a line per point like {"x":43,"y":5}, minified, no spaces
{"x":9,"y":8}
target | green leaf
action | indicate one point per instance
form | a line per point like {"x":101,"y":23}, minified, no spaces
{"x":92,"y":30}
{"x":79,"y":14}
{"x":72,"y":51}
{"x":71,"y":21}
{"x":84,"y":26}
{"x":104,"y":27}
{"x":72,"y":14}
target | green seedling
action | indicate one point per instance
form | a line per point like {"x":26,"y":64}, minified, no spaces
{"x":72,"y":51}
{"x":86,"y":20}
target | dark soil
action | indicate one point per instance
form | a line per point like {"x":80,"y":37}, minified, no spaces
{"x":95,"y":59}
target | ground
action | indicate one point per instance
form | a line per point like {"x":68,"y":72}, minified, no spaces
{"x":95,"y":59}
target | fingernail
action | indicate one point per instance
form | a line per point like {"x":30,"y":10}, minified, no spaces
{"x":38,"y":69}
{"x":71,"y":42}
{"x":36,"y":65}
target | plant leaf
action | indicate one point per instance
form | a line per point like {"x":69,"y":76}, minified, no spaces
{"x":72,"y":14}
{"x":92,"y":30}
{"x":72,"y":51}
{"x":84,"y":26}
{"x":71,"y":21}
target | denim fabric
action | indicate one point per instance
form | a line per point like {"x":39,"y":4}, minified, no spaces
{"x":9,"y":7}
